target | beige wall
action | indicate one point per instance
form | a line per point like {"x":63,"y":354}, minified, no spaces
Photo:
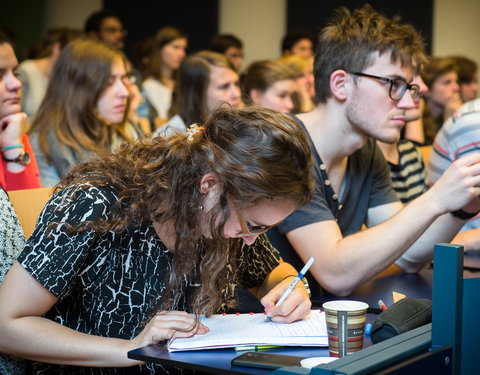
{"x":456,"y":28}
{"x":72,"y":13}
{"x":262,"y":23}
{"x":259,"y":23}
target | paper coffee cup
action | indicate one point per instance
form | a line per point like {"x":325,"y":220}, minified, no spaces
{"x":345,"y":326}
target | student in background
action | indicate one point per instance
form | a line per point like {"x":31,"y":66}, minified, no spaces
{"x":132,"y":243}
{"x":458,"y":138}
{"x":297,"y":42}
{"x":84,"y":109}
{"x":34,"y":73}
{"x":230,"y":46}
{"x":270,"y":84}
{"x":206,"y":80}
{"x":167,"y":54}
{"x":408,"y":169}
{"x":443,"y":97}
{"x":364,"y":67}
{"x":303,"y":69}
{"x":18,"y":168}
{"x":107,"y":27}
{"x":404,"y":158}
{"x":467,"y":71}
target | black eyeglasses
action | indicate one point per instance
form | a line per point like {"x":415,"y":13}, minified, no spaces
{"x":398,"y":86}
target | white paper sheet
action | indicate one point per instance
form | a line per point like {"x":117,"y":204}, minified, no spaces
{"x":251,"y":329}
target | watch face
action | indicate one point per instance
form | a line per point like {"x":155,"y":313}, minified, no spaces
{"x":23,"y":158}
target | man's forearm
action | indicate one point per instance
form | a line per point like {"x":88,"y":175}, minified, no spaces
{"x":420,"y":253}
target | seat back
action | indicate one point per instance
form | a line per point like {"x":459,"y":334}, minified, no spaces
{"x":426,"y":151}
{"x":28,"y":205}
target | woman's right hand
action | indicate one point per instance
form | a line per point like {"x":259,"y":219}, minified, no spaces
{"x":166,"y":325}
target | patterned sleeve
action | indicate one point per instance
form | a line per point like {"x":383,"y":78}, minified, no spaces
{"x":53,"y":255}
{"x":257,"y":261}
{"x":11,"y":235}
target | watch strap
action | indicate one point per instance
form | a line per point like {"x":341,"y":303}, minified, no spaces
{"x":23,"y":158}
{"x":463,"y":215}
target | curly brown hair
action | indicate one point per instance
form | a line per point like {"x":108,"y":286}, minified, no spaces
{"x":257,"y":154}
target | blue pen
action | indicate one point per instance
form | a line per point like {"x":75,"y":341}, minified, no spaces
{"x":368,"y":329}
{"x":302,"y":272}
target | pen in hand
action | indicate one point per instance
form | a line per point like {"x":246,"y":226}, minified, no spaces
{"x":302,"y":272}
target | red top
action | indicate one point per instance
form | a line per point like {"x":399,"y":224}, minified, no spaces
{"x":29,"y":178}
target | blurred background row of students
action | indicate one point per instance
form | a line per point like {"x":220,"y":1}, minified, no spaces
{"x":81,"y":95}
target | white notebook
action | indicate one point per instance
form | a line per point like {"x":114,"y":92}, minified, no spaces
{"x":234,"y":330}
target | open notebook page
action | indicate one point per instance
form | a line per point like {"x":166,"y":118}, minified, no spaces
{"x":251,"y":329}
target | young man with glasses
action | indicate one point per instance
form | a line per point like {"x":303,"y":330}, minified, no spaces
{"x":364,"y":67}
{"x":107,"y":27}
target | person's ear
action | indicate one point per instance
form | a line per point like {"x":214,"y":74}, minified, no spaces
{"x":256,"y":96}
{"x":210,"y":183}
{"x":340,"y":84}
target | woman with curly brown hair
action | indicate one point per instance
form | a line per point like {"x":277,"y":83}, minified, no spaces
{"x":132,"y":243}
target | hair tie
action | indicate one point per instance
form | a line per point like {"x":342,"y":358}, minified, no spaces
{"x":192,"y":130}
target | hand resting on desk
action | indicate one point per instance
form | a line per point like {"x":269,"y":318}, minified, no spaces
{"x":167,"y":325}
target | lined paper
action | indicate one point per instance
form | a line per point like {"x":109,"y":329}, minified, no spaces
{"x":251,"y":329}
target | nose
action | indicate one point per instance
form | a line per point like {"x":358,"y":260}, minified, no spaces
{"x":13,"y":83}
{"x":406,"y":101}
{"x":249,"y":240}
{"x":182,"y":53}
{"x":122,"y":89}
{"x":456,"y":86}
{"x":288,"y":105}
{"x":423,"y":86}
{"x":234,"y":93}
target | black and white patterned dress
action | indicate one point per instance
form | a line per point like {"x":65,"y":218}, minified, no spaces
{"x":106,"y":284}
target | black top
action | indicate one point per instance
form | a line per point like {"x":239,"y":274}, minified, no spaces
{"x":107,"y":284}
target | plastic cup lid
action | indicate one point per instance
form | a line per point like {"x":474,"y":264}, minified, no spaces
{"x":345,"y":305}
{"x":314,"y":361}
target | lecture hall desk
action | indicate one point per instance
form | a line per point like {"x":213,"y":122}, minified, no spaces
{"x":218,"y":361}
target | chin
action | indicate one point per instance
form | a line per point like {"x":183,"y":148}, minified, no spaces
{"x":8,"y":110}
{"x":389,"y":139}
{"x":115,"y":119}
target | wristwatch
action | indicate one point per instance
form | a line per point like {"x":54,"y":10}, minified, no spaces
{"x":23,"y":158}
{"x":463,"y":215}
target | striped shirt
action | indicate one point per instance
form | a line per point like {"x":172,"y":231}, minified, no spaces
{"x":408,"y":176}
{"x":458,"y":137}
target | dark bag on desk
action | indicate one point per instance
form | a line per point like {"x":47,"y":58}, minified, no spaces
{"x":402,"y":316}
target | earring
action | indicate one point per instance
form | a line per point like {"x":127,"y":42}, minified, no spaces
{"x":201,"y":206}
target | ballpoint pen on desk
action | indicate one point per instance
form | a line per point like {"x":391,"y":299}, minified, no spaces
{"x":256,"y":347}
{"x":302,"y":272}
